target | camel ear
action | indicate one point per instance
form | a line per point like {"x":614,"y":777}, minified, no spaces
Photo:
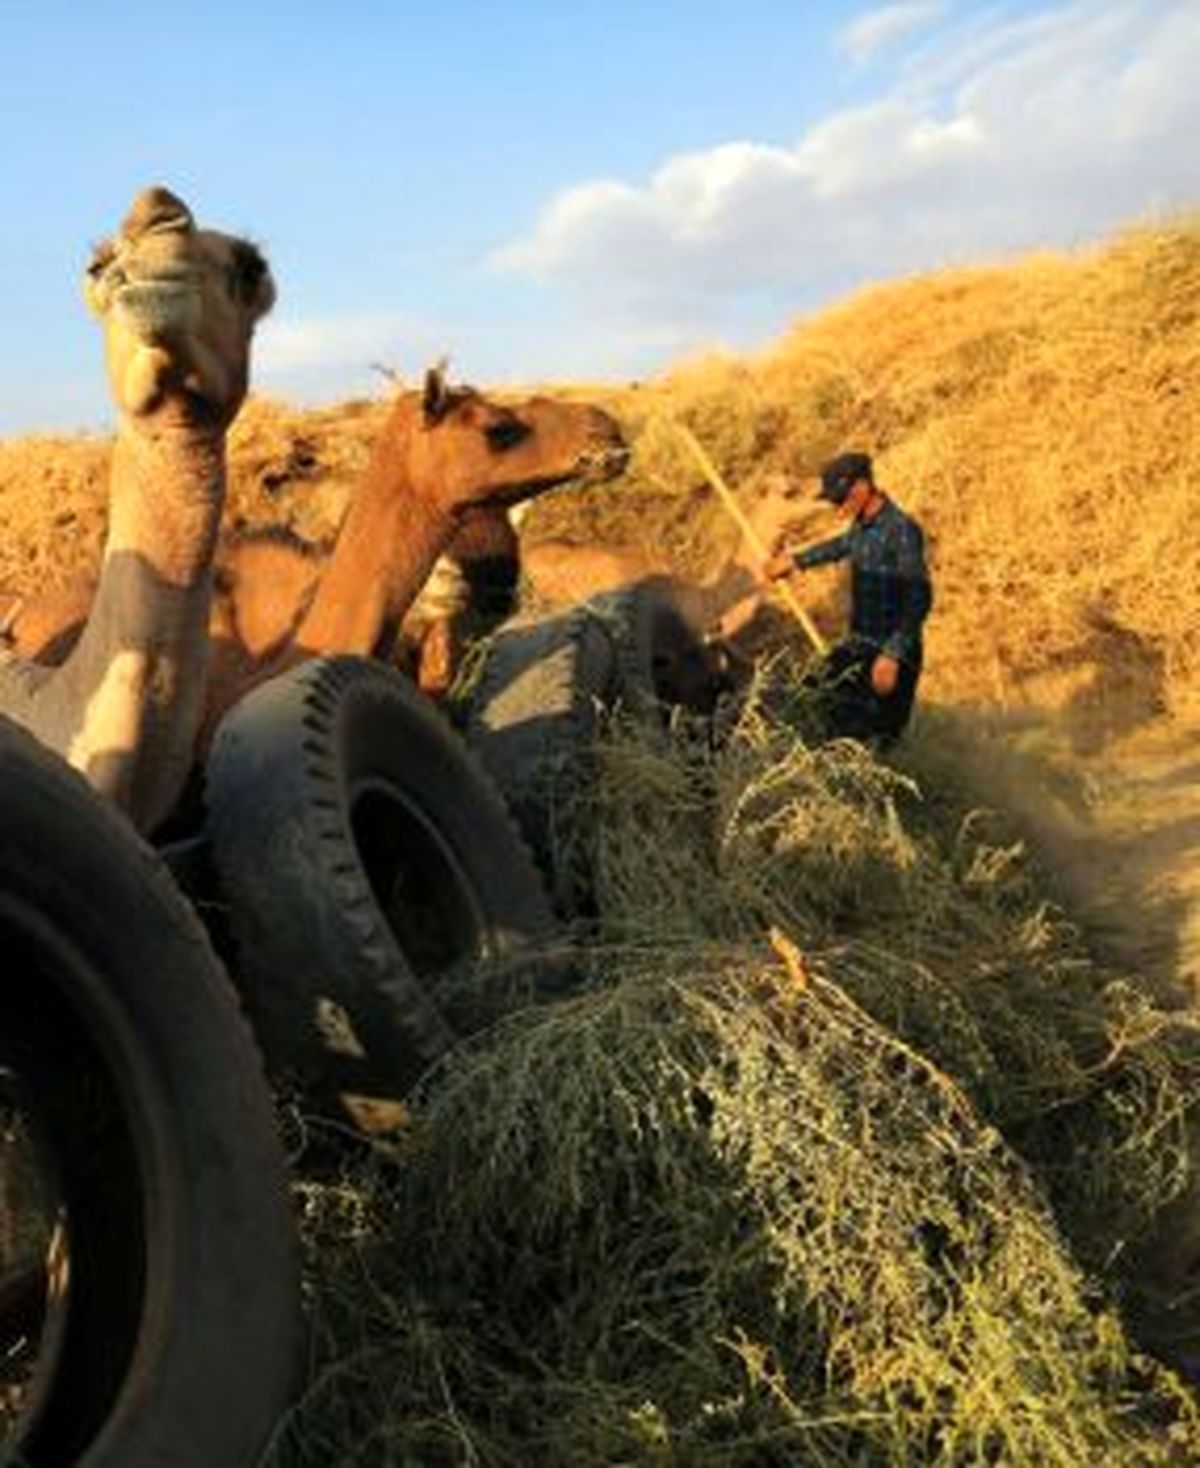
{"x":436,"y":396}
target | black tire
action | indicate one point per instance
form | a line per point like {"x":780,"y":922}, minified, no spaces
{"x":171,"y":1337}
{"x":363,"y":855}
{"x":661,"y":664}
{"x":533,"y":715}
{"x":537,"y":704}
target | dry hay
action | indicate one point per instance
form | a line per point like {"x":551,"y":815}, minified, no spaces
{"x":285,"y":468}
{"x":711,"y":1213}
{"x":708,"y":1213}
{"x":53,"y":498}
{"x":862,"y":1198}
{"x":1042,"y":418}
{"x":932,"y":920}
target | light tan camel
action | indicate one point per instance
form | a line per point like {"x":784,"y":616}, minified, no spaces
{"x":178,"y":306}
{"x":559,"y":572}
{"x":443,"y":452}
{"x":475,"y":584}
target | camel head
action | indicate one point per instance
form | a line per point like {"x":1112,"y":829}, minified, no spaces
{"x":178,"y":305}
{"x":772,"y":518}
{"x":461,"y":450}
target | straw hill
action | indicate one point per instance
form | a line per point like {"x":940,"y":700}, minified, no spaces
{"x":1042,"y":417}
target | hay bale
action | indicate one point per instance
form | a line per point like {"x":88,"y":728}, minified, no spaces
{"x":732,"y":1205}
{"x":711,"y":1212}
{"x":939,"y":930}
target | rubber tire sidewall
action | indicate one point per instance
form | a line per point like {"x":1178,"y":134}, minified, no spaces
{"x":537,"y":706}
{"x":533,"y":716}
{"x":305,"y":921}
{"x":218,"y":1342}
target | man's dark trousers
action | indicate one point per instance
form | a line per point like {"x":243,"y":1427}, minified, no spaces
{"x":848,"y":707}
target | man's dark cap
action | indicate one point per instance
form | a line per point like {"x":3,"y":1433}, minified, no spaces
{"x":840,"y":475}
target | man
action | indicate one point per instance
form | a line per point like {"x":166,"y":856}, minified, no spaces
{"x":869,"y":679}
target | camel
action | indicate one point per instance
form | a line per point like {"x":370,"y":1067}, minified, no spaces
{"x":471,"y":590}
{"x":558,"y":572}
{"x":475,"y":584}
{"x":444,"y":455}
{"x":178,"y":306}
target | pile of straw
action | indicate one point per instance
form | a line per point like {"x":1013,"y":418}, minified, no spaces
{"x":832,"y":1158}
{"x":1041,"y":417}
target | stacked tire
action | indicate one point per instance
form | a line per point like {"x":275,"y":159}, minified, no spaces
{"x":148,"y":1285}
{"x":545,"y":687}
{"x":363,"y":859}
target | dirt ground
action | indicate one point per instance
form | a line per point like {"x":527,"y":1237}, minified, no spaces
{"x":1114,"y":824}
{"x":1130,"y":863}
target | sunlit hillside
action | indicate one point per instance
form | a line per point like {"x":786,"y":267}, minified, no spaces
{"x":1041,"y":417}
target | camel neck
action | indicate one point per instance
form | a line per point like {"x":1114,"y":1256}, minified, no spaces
{"x":166,"y":496}
{"x":125,"y":706}
{"x":389,"y":542}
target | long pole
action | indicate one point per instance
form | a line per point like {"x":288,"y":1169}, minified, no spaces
{"x":729,"y":500}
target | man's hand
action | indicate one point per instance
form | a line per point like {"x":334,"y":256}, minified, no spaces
{"x":776,"y":567}
{"x":885,"y":674}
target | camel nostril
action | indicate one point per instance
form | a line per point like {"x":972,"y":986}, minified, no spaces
{"x":156,"y":209}
{"x":147,"y":375}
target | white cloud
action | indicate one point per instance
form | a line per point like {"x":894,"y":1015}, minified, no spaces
{"x":876,"y":30}
{"x":997,"y":135}
{"x":328,"y":356}
{"x":289,"y":345}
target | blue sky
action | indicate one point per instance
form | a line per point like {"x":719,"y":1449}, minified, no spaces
{"x":578,"y":190}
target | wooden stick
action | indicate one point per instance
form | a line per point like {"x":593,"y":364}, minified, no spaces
{"x":729,"y":500}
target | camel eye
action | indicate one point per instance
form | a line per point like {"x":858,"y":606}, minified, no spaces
{"x":102,"y":257}
{"x":247,"y":270}
{"x":505,"y":434}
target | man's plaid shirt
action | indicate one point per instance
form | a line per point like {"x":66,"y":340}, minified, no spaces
{"x":890,"y":590}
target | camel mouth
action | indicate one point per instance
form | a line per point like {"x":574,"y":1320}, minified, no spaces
{"x":161,"y":307}
{"x":602,"y":461}
{"x":592,"y":466}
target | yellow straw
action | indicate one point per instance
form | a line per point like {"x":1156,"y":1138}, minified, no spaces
{"x":729,"y":500}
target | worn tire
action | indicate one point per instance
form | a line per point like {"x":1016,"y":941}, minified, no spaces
{"x":172,"y":1336}
{"x":362,"y":854}
{"x":532,"y":717}
{"x":537,"y":705}
{"x":661,"y":664}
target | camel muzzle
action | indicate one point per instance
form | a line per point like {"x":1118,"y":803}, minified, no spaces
{"x":160,"y":311}
{"x":157,"y":211}
{"x":604,"y":461}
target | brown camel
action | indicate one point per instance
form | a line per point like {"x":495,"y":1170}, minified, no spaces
{"x":471,"y":590}
{"x":178,"y":306}
{"x":443,"y":453}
